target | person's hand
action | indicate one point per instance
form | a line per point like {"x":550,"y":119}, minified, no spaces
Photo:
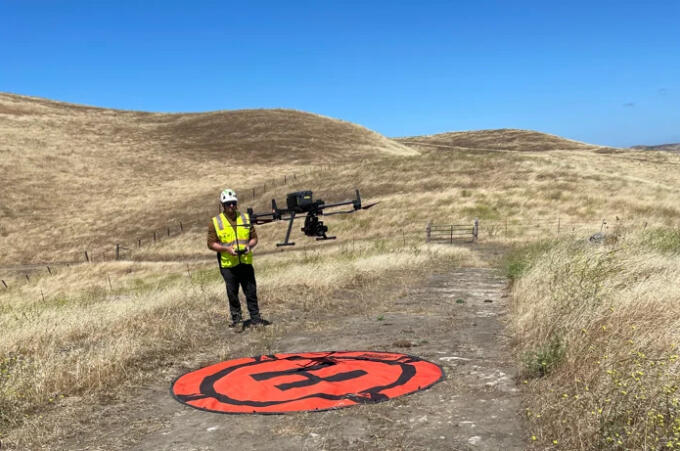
{"x":247,"y":249}
{"x":231,"y":250}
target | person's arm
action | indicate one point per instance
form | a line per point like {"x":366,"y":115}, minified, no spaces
{"x":252,"y":242}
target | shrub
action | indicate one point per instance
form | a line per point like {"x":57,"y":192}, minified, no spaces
{"x":545,"y":359}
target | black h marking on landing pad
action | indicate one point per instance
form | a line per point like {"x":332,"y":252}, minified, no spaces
{"x":311,"y":379}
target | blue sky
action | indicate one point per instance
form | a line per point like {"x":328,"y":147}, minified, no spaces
{"x":605,"y":72}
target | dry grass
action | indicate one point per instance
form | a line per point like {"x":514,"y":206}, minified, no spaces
{"x":598,"y":329}
{"x":92,"y":330}
{"x":83,"y":178}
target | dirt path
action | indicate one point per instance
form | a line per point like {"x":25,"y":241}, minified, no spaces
{"x":454,"y":319}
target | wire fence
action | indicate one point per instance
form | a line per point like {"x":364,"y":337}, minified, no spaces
{"x":477,"y":230}
{"x":510,"y":228}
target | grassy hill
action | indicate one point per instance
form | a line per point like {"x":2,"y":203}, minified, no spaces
{"x":79,"y":178}
{"x":503,"y":139}
{"x":664,"y":147}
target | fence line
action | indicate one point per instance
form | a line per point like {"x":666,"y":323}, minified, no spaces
{"x":512,"y":229}
{"x":117,"y":250}
{"x":435,"y":233}
{"x":23,"y":278}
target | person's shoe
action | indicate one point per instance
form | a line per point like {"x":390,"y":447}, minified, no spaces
{"x":235,"y":323}
{"x":260,"y":322}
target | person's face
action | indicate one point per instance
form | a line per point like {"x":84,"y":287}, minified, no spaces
{"x":230,"y":207}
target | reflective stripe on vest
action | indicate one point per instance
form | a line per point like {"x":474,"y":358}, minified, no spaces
{"x":220,"y":224}
{"x":230,"y":238}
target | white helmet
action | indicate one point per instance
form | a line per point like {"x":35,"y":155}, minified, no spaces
{"x":228,"y":195}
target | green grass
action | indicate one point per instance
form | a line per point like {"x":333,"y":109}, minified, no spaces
{"x":665,"y":240}
{"x":543,"y":360}
{"x":519,"y":259}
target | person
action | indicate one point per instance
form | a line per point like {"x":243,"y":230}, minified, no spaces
{"x":233,"y":237}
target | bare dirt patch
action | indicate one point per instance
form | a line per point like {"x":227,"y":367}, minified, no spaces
{"x":454,"y":317}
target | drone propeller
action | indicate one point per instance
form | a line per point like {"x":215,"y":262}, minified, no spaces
{"x":366,"y":207}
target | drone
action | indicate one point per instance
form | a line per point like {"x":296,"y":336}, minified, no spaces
{"x":301,"y":202}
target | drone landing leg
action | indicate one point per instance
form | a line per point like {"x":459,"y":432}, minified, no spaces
{"x":290,"y":226}
{"x":324,"y":238}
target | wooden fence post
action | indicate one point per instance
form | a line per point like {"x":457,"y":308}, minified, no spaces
{"x":154,"y":236}
{"x":475,"y":230}
{"x":3,"y":282}
{"x":49,"y":270}
{"x":87,"y":257}
{"x":451,"y":241}
{"x":181,"y":227}
{"x":428,"y":232}
{"x":139,"y":242}
{"x":117,"y":251}
{"x":558,"y":226}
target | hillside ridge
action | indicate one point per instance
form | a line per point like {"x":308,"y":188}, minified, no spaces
{"x":671,"y":147}
{"x":500,"y":139}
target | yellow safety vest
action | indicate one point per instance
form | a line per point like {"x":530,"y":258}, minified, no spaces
{"x":229,"y":238}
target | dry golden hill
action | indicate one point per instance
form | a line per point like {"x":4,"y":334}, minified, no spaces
{"x":502,"y":139}
{"x":75,"y":176}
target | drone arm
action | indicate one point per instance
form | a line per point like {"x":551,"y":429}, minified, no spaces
{"x":265,"y":218}
{"x":356,"y":203}
{"x":343,"y":212}
{"x":262,"y":218}
{"x":337,"y":204}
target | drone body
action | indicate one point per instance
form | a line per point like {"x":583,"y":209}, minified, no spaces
{"x":301,"y":202}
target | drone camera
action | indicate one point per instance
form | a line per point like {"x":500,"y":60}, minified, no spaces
{"x":314,"y":227}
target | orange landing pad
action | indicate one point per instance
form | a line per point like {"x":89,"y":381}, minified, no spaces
{"x":282,"y":383}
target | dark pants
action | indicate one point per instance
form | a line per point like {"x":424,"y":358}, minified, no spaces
{"x":242,"y":275}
